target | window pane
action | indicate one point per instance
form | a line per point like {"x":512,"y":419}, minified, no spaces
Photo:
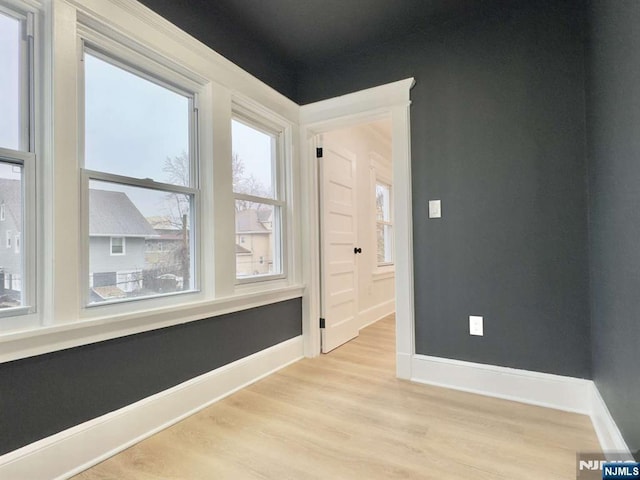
{"x":10,"y":82}
{"x":11,"y":224}
{"x":125,"y":225}
{"x":134,"y":127}
{"x":257,"y":239}
{"x":384,"y":236}
{"x":253,"y":161}
{"x":383,"y":204}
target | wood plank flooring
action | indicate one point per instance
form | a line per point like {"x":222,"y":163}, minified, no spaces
{"x":345,"y":416}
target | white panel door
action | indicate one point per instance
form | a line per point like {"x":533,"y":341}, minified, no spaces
{"x":338,"y":259}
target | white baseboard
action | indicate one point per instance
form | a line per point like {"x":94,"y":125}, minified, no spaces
{"x":373,"y":314}
{"x":67,"y":453}
{"x":606,"y":429}
{"x":543,"y":389}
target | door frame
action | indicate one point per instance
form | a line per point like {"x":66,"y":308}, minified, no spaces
{"x":392,"y":101}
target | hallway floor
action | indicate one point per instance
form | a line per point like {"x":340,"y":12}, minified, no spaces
{"x":345,"y":416}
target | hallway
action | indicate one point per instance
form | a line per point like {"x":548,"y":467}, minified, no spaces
{"x":345,"y":416}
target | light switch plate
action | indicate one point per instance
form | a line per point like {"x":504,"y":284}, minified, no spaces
{"x":476,"y":326}
{"x":435,"y":209}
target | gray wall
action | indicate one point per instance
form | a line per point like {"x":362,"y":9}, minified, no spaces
{"x":101,"y":260}
{"x":614,"y":164}
{"x":498,"y":134}
{"x":46,"y":394}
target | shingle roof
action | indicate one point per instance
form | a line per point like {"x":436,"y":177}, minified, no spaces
{"x":249,"y":221}
{"x":114,"y":214}
{"x":241,"y":250}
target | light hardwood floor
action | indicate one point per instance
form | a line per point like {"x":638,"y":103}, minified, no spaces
{"x":345,"y":416}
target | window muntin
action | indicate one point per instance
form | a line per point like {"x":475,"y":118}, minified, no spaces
{"x":141,"y":182}
{"x":17,"y":161}
{"x":13,"y":85}
{"x":259,"y":206}
{"x":384,"y":225}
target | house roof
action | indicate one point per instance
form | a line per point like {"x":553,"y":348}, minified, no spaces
{"x":251,"y":220}
{"x":241,"y":250}
{"x":114,"y":214}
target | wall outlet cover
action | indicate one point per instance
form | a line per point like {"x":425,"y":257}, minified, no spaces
{"x":476,"y":326}
{"x":435,"y":209}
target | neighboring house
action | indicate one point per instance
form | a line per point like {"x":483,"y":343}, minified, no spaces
{"x":254,"y":242}
{"x":162,"y":250}
{"x":10,"y":242}
{"x":117,"y":235}
{"x":166,"y":255}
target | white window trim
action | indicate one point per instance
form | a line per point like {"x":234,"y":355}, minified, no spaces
{"x":130,"y":60}
{"x":28,"y":11}
{"x":389,"y":223}
{"x":2,"y":213}
{"x":124,"y":247}
{"x":61,"y":320}
{"x":267,"y":122}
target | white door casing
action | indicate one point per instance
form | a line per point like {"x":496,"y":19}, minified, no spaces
{"x":338,"y":284}
{"x":392,"y":100}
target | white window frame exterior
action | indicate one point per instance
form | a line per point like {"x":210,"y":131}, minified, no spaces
{"x":2,"y":213}
{"x":271,"y":125}
{"x":25,"y":157}
{"x":129,"y":60}
{"x":389,"y":223}
{"x":131,"y":33}
{"x":123,"y":246}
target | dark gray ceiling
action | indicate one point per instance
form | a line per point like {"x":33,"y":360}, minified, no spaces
{"x":306,"y":30}
{"x":277,"y":39}
{"x":303,"y":31}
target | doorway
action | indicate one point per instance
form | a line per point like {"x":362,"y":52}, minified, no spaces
{"x":390,"y":100}
{"x":357,"y":271}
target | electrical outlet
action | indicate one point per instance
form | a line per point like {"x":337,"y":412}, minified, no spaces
{"x":476,"y":326}
{"x":435,"y":209}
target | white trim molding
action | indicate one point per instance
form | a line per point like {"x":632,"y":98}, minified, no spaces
{"x":71,"y":451}
{"x":386,"y":101}
{"x":569,"y":394}
{"x":543,"y":389}
{"x":608,"y":433}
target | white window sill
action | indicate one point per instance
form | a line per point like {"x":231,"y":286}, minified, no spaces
{"x":40,"y":340}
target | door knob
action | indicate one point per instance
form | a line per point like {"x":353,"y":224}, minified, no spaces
{"x":357,"y":250}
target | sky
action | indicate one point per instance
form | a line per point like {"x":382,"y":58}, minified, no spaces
{"x":9,"y":82}
{"x":133,"y":125}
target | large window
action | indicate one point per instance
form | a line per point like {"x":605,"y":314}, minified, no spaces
{"x":384,"y":224}
{"x":140,"y":174}
{"x":17,"y":161}
{"x":259,"y":199}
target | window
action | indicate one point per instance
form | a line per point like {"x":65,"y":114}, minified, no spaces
{"x":384,"y":224}
{"x":17,"y":158}
{"x":117,"y":245}
{"x":259,"y":204}
{"x":140,"y":173}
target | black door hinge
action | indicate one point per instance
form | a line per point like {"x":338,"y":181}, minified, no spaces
{"x":319,"y":152}
{"x":322,"y":323}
